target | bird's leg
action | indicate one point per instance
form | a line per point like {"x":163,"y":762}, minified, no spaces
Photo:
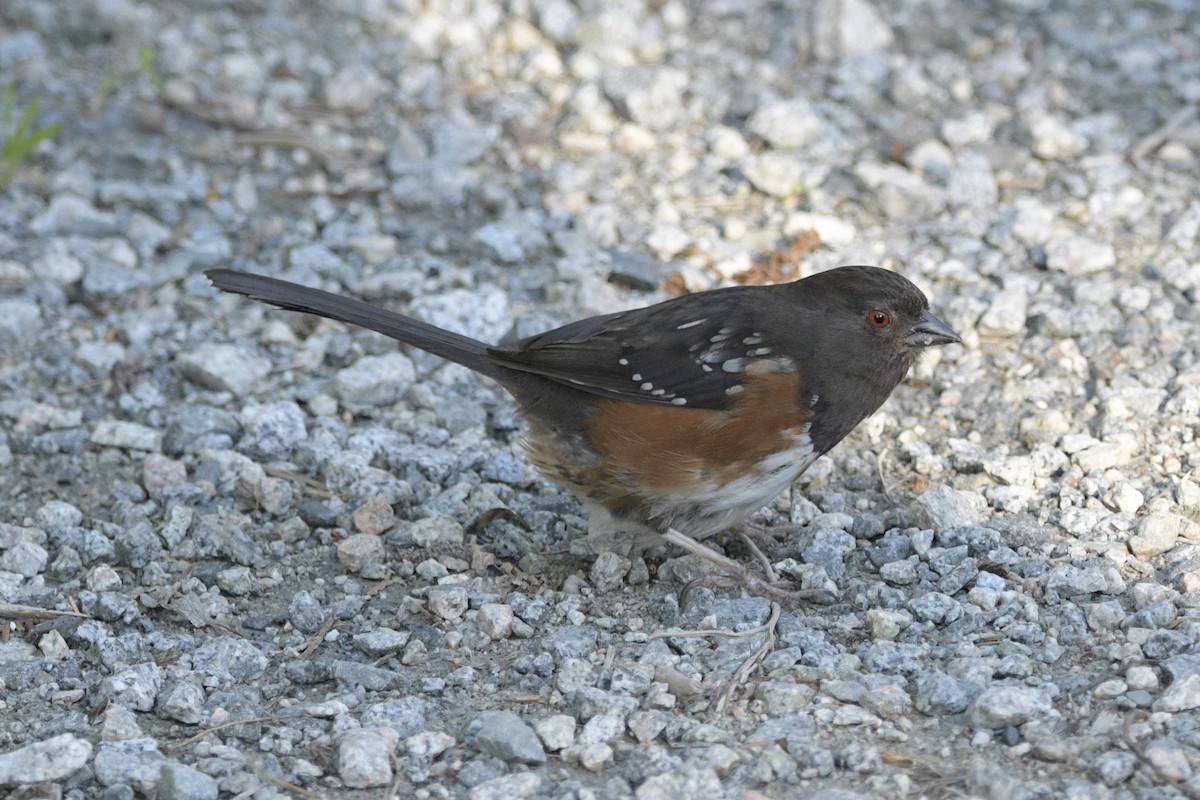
{"x":767,"y":532}
{"x":755,"y":585}
{"x":738,"y":575}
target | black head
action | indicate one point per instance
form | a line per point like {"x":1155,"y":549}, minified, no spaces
{"x":865,"y":327}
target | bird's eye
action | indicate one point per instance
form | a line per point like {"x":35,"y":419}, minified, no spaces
{"x":879,"y":319}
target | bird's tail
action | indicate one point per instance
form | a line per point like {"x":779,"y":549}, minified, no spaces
{"x":454,"y":347}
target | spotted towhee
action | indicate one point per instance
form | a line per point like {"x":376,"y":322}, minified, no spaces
{"x":687,"y":416}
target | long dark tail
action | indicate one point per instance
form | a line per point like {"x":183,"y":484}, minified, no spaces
{"x":451,"y":346}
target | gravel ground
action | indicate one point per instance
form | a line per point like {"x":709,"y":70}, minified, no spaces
{"x":256,"y":555}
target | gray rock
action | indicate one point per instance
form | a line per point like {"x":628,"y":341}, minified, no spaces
{"x":365,"y":757}
{"x":1007,"y":312}
{"x":609,"y":570}
{"x":134,"y":762}
{"x":788,"y":124}
{"x":1077,"y":256}
{"x":57,"y":515}
{"x":588,"y":702}
{"x":182,"y":702}
{"x":373,"y":381}
{"x":694,"y":778}
{"x":1072,"y":581}
{"x":72,"y":215}
{"x":137,"y":545}
{"x":381,"y":641}
{"x":1000,"y":706}
{"x":1168,"y":758}
{"x":518,"y":786}
{"x":53,"y":759}
{"x":935,"y":607}
{"x":634,"y":270}
{"x":19,"y":320}
{"x":367,"y":676}
{"x":778,"y":174}
{"x":181,"y":782}
{"x":228,"y":658}
{"x":447,"y":602}
{"x":901,"y":194}
{"x":1182,"y":695}
{"x":557,"y":732}
{"x":938,"y":693}
{"x":224,"y":368}
{"x":306,"y":613}
{"x":435,"y":531}
{"x":829,"y":548}
{"x":135,"y":688}
{"x":272,"y":431}
{"x":948,"y":508}
{"x":506,"y":736}
{"x":1114,"y":767}
{"x":1052,"y":138}
{"x":650,"y":96}
{"x":406,"y":716}
{"x":131,"y":435}
{"x":847,"y":28}
{"x":194,"y":428}
{"x":24,"y":558}
{"x":1164,"y":643}
{"x":1157,"y":533}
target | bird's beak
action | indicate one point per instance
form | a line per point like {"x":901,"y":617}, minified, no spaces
{"x":930,"y":331}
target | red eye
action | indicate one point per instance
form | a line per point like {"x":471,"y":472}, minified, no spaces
{"x":879,"y":319}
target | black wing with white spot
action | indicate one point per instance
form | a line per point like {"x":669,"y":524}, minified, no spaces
{"x":684,"y":352}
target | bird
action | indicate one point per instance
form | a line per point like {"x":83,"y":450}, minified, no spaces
{"x":681,"y":419}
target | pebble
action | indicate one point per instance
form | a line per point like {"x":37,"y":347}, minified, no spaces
{"x":364,"y":757}
{"x":608,"y":571}
{"x":495,"y":620}
{"x":557,"y":732}
{"x":360,"y":551}
{"x":517,"y":786}
{"x":448,"y":602}
{"x":436,"y":531}
{"x":946,"y":508}
{"x":224,"y":368}
{"x":373,"y":381}
{"x":1078,"y":256}
{"x":788,"y":124}
{"x":506,"y":736}
{"x":1182,"y":695}
{"x":129,"y":435}
{"x":181,"y":782}
{"x":52,"y":759}
{"x":1157,"y":533}
{"x":1000,"y":706}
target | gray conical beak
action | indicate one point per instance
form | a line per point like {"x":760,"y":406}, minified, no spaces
{"x":930,"y":331}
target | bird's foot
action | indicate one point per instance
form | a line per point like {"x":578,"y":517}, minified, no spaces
{"x":735,"y":573}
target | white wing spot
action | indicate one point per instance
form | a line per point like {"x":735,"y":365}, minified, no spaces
{"x":760,"y":351}
{"x":722,"y":335}
{"x":637,"y":376}
{"x":691,"y":324}
{"x":754,"y":338}
{"x":647,"y":386}
{"x":679,"y":401}
{"x":734,"y":365}
{"x":706,"y":367}
{"x":738,"y":389}
{"x":624,"y":362}
{"x":659,"y":392}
